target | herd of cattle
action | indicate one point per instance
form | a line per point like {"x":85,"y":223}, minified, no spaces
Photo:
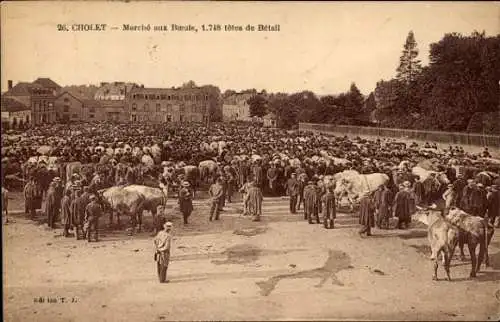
{"x":132,"y":178}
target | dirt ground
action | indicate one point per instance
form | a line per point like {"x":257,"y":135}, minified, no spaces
{"x":234,"y":269}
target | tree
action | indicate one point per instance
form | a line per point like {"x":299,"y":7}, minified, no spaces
{"x":409,"y":65}
{"x":257,"y":105}
{"x":189,"y":84}
{"x":228,"y":93}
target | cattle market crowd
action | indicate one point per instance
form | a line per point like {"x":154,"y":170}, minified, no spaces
{"x":76,"y":173}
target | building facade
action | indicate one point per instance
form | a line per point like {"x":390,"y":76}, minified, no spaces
{"x":163,"y":105}
{"x":110,"y":102}
{"x":15,"y":114}
{"x":39,"y":96}
{"x":69,"y":108}
{"x":236,"y":108}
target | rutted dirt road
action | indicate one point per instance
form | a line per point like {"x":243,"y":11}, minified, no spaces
{"x":235,"y":269}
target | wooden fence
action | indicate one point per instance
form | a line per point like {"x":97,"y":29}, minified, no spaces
{"x":444,"y":137}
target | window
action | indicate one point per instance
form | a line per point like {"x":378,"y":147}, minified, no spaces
{"x":92,"y":110}
{"x":182,"y":109}
{"x":91,"y":116}
{"x":134,"y":107}
{"x":158,"y":107}
{"x":181,"y":118}
{"x":206,"y":97}
{"x":74,"y":115}
{"x":66,"y":100}
{"x":66,"y":109}
{"x":186,"y":97}
{"x":146,"y":106}
{"x":157,"y":97}
{"x":163,"y":97}
{"x":168,"y":97}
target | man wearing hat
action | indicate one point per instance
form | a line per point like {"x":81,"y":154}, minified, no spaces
{"x":402,"y":206}
{"x":162,"y":243}
{"x":66,"y":218}
{"x":293,"y":192}
{"x":329,"y":208}
{"x":185,"y":201}
{"x":50,"y":205}
{"x":215,"y":193}
{"x":366,"y":214}
{"x":92,"y":213}
{"x":78,"y":212}
{"x":255,"y":201}
{"x":59,"y":189}
{"x":311,"y":202}
{"x":30,"y":194}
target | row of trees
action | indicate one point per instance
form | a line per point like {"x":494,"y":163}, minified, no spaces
{"x":345,"y":108}
{"x":457,"y":91}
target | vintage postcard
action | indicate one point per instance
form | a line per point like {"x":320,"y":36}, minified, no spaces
{"x":244,"y":160}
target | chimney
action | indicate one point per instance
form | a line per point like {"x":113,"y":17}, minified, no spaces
{"x":9,"y":82}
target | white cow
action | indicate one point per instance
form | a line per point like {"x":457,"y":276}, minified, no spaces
{"x":353,"y":184}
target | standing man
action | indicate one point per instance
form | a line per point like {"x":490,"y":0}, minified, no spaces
{"x":66,"y":218}
{"x":92,"y":214}
{"x":58,"y":187}
{"x":493,"y":201}
{"x":30,"y":195}
{"x":216,"y":194}
{"x":272,"y":175}
{"x":78,"y":213}
{"x":311,"y":202}
{"x":293,"y":192}
{"x":185,"y":201}
{"x":255,"y":201}
{"x":329,"y":208}
{"x":244,"y":190}
{"x":163,"y":243}
{"x":402,"y":206}
{"x":384,"y":207}
{"x":222,"y":200}
{"x":50,"y":205}
{"x":366,"y":214}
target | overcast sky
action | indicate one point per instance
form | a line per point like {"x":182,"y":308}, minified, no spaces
{"x":321,"y":47}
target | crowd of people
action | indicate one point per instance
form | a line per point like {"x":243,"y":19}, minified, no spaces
{"x":253,"y":160}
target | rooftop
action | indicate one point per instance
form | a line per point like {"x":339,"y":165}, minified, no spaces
{"x":12,"y":105}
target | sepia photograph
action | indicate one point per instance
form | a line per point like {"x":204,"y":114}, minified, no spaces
{"x":250,"y":161}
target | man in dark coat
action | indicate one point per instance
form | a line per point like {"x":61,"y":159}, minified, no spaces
{"x":272,"y":175}
{"x":92,"y":213}
{"x":51,"y":205}
{"x":77,"y":206}
{"x":402,"y":206}
{"x":66,"y":218}
{"x":185,"y":201}
{"x":30,"y":195}
{"x":329,"y":208}
{"x":258,"y":174}
{"x":311,"y":202}
{"x":383,"y":207}
{"x":255,"y":202}
{"x":366,"y":214}
{"x":293,"y":192}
